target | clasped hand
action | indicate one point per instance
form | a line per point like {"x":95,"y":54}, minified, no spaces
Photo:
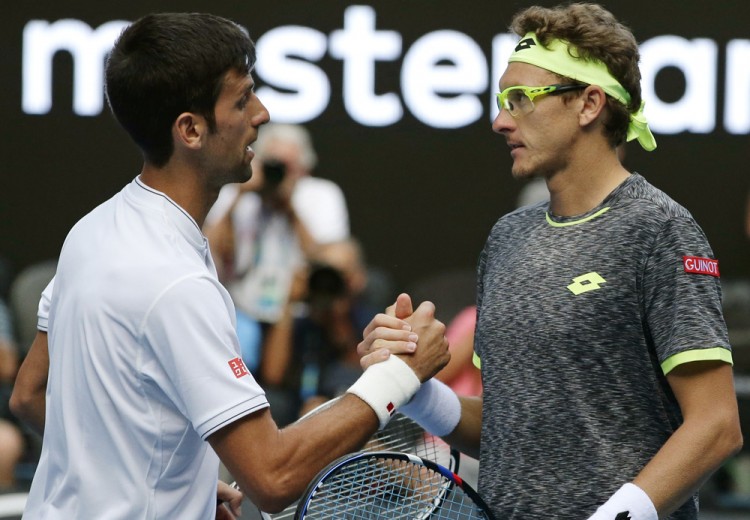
{"x":415,"y":335}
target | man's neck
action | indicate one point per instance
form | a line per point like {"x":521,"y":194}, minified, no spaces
{"x":182,"y":186}
{"x":584,"y":185}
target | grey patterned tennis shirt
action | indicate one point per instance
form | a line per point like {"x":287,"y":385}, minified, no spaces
{"x":579,"y":321}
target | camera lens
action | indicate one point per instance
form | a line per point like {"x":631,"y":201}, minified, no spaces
{"x":274,"y":171}
{"x":325,"y":284}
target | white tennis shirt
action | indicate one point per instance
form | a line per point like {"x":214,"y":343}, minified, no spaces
{"x":144,"y":366}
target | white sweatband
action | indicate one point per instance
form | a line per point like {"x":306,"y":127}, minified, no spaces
{"x":435,"y":408}
{"x":629,"y":499}
{"x":386,"y":386}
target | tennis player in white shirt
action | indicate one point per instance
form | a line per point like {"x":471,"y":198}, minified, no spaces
{"x":137,"y":383}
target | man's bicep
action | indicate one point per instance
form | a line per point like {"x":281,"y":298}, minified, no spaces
{"x":703,"y":387}
{"x":242,"y":445}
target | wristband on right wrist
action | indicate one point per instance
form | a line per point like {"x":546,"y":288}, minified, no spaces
{"x":629,"y":502}
{"x":385,"y":386}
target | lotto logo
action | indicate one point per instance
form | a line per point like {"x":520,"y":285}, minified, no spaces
{"x":238,"y":367}
{"x":525,"y":44}
{"x":586,"y":282}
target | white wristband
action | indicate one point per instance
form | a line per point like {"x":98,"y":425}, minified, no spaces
{"x":386,"y":386}
{"x":435,"y":408}
{"x":630,"y":502}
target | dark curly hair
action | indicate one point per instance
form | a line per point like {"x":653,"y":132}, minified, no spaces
{"x":595,"y":34}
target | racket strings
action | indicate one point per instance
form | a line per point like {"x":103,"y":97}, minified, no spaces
{"x":380,"y":489}
{"x":370,"y":489}
{"x":403,"y":435}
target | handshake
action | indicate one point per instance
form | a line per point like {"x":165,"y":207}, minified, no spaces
{"x":400,"y":330}
{"x":403,"y":348}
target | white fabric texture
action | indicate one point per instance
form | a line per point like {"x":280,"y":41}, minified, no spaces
{"x":144,"y":365}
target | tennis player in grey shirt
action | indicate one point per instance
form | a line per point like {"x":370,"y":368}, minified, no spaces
{"x":607,"y":372}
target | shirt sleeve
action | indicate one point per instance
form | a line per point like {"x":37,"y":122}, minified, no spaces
{"x":192,"y":336}
{"x":42,"y":314}
{"x":682,"y":309}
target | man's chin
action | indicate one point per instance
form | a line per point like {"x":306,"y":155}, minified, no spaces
{"x":521,"y":174}
{"x":244,"y":175}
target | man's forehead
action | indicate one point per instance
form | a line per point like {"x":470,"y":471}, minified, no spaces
{"x":518,"y":73}
{"x":239,"y":81}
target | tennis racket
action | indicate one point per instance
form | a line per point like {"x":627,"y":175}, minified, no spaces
{"x":402,"y":435}
{"x":382,"y":484}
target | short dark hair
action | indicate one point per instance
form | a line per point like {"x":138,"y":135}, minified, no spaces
{"x":168,"y":63}
{"x":596,"y":34}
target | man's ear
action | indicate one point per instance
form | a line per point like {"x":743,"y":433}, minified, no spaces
{"x":190,"y":129}
{"x":594,"y":100}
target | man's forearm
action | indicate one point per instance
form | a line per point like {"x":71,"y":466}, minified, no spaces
{"x":30,"y":410}
{"x":709,"y":434}
{"x":683,"y":464}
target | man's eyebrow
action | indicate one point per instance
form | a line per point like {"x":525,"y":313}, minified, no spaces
{"x":246,"y":92}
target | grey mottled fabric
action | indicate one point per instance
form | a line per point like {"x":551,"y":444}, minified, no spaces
{"x":575,"y":399}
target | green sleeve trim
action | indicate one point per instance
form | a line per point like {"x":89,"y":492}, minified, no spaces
{"x":575,"y":222}
{"x":708,"y":354}
{"x":477,"y":361}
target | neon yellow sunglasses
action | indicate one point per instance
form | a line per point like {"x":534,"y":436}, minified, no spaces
{"x":519,"y":100}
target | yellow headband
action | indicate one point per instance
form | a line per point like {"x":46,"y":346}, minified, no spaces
{"x":559,"y":58}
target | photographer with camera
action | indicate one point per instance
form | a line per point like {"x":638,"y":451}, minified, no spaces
{"x":311,"y":357}
{"x":261,"y":232}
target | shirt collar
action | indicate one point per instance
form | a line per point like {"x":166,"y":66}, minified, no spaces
{"x":175,"y":214}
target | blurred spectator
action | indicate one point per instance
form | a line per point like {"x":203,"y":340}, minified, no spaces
{"x":11,"y":440}
{"x":24,"y":293}
{"x":347,"y":256}
{"x":311,"y":358}
{"x":8,"y":350}
{"x":460,"y":372}
{"x":261,"y":231}
{"x":373,"y":287}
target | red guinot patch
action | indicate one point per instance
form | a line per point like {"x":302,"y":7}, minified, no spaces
{"x":238,"y":367}
{"x":700,"y":265}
